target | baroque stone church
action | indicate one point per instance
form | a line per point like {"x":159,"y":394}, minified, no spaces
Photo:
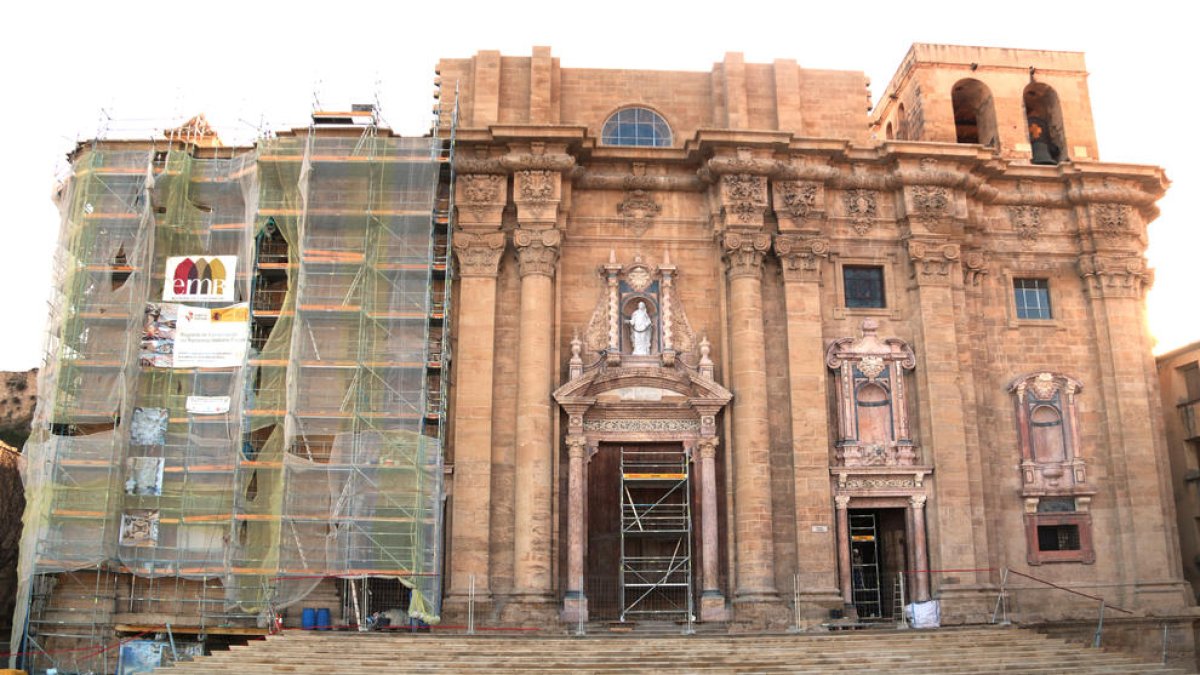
{"x":733,"y":345}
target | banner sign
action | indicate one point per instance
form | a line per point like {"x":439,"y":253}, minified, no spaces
{"x":182,"y":336}
{"x":200,"y":278}
{"x":208,"y":405}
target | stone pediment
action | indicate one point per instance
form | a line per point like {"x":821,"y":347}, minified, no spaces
{"x":649,"y":386}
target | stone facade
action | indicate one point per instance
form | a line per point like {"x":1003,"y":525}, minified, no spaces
{"x":932,"y":317}
{"x":1179,"y":378}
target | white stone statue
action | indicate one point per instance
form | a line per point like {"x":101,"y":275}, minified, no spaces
{"x":639,"y":330}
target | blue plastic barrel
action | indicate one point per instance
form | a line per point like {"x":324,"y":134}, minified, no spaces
{"x":308,"y":618}
{"x":323,"y":618}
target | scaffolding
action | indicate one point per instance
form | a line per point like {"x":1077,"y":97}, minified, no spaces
{"x":216,"y":496}
{"x":656,"y":534}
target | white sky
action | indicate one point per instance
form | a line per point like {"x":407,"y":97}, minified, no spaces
{"x":248,"y":63}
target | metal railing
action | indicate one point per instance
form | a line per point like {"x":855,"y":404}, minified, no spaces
{"x":1001,"y":610}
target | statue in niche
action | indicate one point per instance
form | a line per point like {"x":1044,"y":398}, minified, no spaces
{"x":640,"y":324}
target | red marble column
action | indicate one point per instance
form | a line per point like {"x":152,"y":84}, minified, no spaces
{"x":845,"y":575}
{"x":712,"y":602}
{"x":575,"y":602}
{"x":920,"y":558}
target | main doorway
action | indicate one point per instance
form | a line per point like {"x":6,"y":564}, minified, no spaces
{"x":640,"y":534}
{"x":878,"y":556}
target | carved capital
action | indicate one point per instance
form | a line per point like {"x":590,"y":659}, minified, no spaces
{"x":743,"y":199}
{"x":1115,"y":276}
{"x":932,"y":260}
{"x":576,"y":447}
{"x":841,"y":501}
{"x":478,"y":254}
{"x":801,"y":257}
{"x":537,"y":250}
{"x":918,"y":501}
{"x":744,"y":253}
{"x":707,"y":448}
{"x":480,"y":198}
{"x":974,"y":268}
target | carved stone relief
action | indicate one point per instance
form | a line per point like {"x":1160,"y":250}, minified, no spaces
{"x":932,"y":261}
{"x":745,"y":197}
{"x":478,"y":254}
{"x":744,"y":252}
{"x":1026,"y":221}
{"x":798,"y":197}
{"x":801,"y":257}
{"x":638,"y":210}
{"x":537,"y":250}
{"x":861,"y":208}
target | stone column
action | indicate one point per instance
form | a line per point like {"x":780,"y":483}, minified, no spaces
{"x":755,"y":548}
{"x":801,"y":259}
{"x":537,"y":256}
{"x":712,"y":601}
{"x":575,"y":602}
{"x":920,"y":559}
{"x":478,"y":249}
{"x":845,"y":575}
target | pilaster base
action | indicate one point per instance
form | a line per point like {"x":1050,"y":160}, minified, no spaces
{"x":529,"y":610}
{"x":759,"y":612}
{"x":816,"y":607}
{"x":712,"y":607}
{"x":456,"y":609}
{"x":574,"y":609}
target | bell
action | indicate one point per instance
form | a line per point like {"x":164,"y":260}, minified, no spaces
{"x":1041,"y":153}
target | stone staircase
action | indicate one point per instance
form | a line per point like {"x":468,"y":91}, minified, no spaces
{"x":949,"y":650}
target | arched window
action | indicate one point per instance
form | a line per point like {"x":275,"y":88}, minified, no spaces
{"x":974,"y":113}
{"x":901,"y":123}
{"x":891,"y":135}
{"x":1043,"y":115}
{"x":636,"y":126}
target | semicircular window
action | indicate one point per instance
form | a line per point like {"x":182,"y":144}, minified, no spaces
{"x":636,"y":126}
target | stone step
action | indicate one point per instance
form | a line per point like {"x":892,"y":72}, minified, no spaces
{"x":953,"y":650}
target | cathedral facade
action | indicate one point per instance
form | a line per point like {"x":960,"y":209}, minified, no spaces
{"x":731,"y":346}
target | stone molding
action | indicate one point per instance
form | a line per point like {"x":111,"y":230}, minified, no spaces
{"x":801,"y":257}
{"x":744,"y":252}
{"x":537,"y":250}
{"x":478,"y":254}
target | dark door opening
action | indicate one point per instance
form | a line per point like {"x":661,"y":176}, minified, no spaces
{"x":878,"y":555}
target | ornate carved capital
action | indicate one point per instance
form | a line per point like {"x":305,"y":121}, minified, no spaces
{"x":801,"y":256}
{"x":744,"y":199}
{"x":1115,"y":276}
{"x":861,"y":208}
{"x":576,"y":447}
{"x":918,"y":501}
{"x":932,"y":260}
{"x":537,"y":250}
{"x":974,"y":268}
{"x":707,"y":448}
{"x":478,"y":254}
{"x":841,"y":501}
{"x":480,"y":198}
{"x":744,"y":253}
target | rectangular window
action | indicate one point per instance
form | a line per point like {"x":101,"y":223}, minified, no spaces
{"x":1058,"y":537}
{"x":1191,"y":380}
{"x":1033,"y":298}
{"x":864,"y":286}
